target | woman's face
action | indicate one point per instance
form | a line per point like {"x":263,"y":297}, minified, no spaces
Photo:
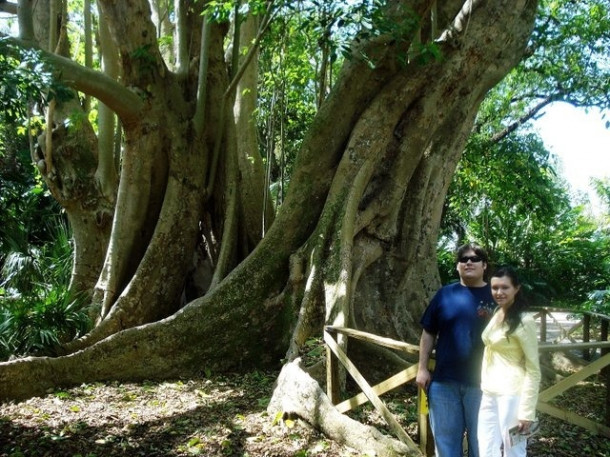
{"x":503,"y":291}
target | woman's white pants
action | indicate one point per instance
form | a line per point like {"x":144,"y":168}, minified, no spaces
{"x":497,"y":414}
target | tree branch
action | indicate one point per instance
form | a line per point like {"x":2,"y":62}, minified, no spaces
{"x":24,"y":18}
{"x":497,"y":137}
{"x":252,"y":51}
{"x":8,"y":7}
{"x":228,"y":93}
{"x":181,"y":46}
{"x":125,"y":102}
{"x":202,"y":81}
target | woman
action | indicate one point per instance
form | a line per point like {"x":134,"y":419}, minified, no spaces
{"x":510,"y":374}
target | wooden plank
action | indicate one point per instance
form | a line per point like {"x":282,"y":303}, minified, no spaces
{"x":565,"y":347}
{"x":574,"y":418}
{"x":573,"y":328}
{"x":397,"y":380}
{"x":375,"y":400}
{"x":548,"y":309}
{"x":333,"y":389}
{"x":392,"y":382}
{"x":563,"y":333}
{"x":568,"y":333}
{"x":571,"y":380}
{"x":375,"y":339}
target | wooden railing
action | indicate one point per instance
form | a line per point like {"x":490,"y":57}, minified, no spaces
{"x":336,"y":354}
{"x":585,"y":348}
{"x":588,"y":323}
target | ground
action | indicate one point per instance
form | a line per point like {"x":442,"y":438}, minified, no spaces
{"x":225,"y":416}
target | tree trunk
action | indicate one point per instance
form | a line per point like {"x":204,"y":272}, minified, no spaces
{"x":256,"y":210}
{"x":69,"y":150}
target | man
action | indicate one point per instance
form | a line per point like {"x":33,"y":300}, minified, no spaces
{"x":455,"y":319}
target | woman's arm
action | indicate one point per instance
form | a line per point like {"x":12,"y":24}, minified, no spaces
{"x":528,"y":338}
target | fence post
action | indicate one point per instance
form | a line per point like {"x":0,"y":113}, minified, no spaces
{"x":606,"y":370}
{"x":333,"y":387}
{"x":543,"y":325}
{"x":586,"y":335}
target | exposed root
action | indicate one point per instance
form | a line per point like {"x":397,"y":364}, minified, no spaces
{"x":298,"y":394}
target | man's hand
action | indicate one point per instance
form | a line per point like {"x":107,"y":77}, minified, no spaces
{"x":423,"y":378}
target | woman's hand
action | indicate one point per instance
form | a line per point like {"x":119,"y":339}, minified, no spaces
{"x":524,"y":427}
{"x":528,"y":427}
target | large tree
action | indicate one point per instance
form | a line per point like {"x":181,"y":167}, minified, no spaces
{"x":353,"y":243}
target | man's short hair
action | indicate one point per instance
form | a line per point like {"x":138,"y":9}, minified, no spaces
{"x":478,"y":250}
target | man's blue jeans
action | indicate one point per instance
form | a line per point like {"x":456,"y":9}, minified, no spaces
{"x":454,"y":409}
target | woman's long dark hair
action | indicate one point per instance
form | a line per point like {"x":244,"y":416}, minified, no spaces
{"x":512,"y":315}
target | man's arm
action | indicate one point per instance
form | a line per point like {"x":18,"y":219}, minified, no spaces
{"x":426,"y":344}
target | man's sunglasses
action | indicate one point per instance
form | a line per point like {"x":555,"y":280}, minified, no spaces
{"x":472,"y":258}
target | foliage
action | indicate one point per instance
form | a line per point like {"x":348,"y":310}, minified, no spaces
{"x":25,"y":206}
{"x":35,"y":325}
{"x":24,"y":78}
{"x":305,"y":36}
{"x":598,"y":302}
{"x":19,"y":82}
{"x":501,"y":193}
{"x":505,"y":193}
{"x":287,"y":99}
{"x":566,"y":60}
{"x":602,"y":187}
{"x":511,"y":181}
{"x":570,"y":52}
{"x":572,"y":259}
{"x":25,"y":269}
{"x":36,"y":310}
{"x":35,"y":260}
{"x":507,"y":197}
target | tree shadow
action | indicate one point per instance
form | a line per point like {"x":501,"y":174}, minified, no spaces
{"x":139,"y":423}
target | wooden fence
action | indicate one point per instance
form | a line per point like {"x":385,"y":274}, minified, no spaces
{"x":590,"y":323}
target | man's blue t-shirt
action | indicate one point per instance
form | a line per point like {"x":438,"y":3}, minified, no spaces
{"x":457,"y":315}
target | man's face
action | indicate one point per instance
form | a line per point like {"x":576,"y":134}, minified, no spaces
{"x":471,"y":268}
